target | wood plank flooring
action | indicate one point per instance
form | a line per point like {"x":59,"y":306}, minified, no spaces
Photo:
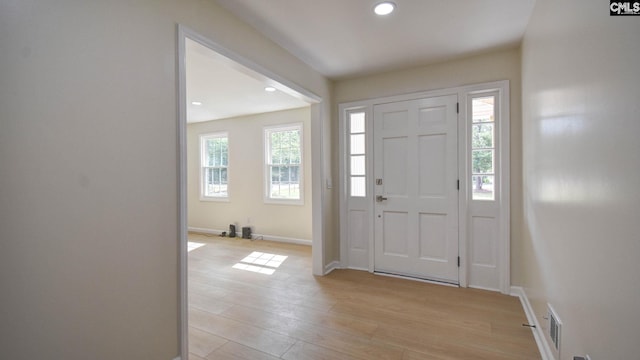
{"x":247,"y":315}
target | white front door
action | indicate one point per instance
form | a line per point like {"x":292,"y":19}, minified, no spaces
{"x":415,"y":171}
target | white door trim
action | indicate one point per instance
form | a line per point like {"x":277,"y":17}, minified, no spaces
{"x":317,"y":159}
{"x":463,"y":92}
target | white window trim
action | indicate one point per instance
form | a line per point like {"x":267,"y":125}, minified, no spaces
{"x":349,"y":155}
{"x":203,"y":138}
{"x":499,"y":207}
{"x":267,"y":130}
{"x":496,"y":146}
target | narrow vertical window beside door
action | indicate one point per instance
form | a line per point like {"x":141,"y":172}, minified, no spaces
{"x":357,"y":156}
{"x":483,"y":148}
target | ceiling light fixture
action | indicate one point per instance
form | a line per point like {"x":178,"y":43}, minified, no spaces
{"x":270,"y":89}
{"x":384,"y":8}
{"x":196,"y":103}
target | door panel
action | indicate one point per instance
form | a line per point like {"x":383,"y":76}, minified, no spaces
{"x":395,"y":120}
{"x":416,"y":212}
{"x":433,"y":115}
{"x":433,"y":228}
{"x":432,"y":164}
{"x":395,"y":234}
{"x":394,"y":172}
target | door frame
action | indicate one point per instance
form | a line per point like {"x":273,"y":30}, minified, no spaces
{"x":464,"y":94}
{"x":317,"y":158}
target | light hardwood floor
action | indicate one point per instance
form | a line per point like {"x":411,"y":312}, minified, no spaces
{"x":348,"y":314}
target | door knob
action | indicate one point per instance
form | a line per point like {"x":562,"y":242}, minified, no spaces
{"x":380,"y":198}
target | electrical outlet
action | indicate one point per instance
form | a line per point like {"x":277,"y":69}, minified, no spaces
{"x":248,"y":220}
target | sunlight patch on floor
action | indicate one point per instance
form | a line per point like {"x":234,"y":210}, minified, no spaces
{"x":259,"y":262}
{"x":193,"y":245}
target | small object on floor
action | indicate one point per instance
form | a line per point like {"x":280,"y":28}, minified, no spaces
{"x":232,"y":230}
{"x":246,"y":232}
{"x":223,"y":234}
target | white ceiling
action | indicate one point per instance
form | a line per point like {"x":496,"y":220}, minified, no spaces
{"x":227,"y":89}
{"x":344,"y":38}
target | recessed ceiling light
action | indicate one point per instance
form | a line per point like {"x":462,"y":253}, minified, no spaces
{"x":384,"y":8}
{"x":270,"y":89}
{"x":196,"y":103}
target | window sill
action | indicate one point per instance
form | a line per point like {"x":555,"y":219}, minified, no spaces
{"x":284,"y":202}
{"x":214,"y":199}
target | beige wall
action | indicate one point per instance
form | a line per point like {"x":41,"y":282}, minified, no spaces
{"x":88,"y":179}
{"x":581,"y":234}
{"x":246,"y":178}
{"x":499,"y":65}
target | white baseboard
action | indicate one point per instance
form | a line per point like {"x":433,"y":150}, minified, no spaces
{"x":178,"y":358}
{"x":205,"y":230}
{"x":538,"y":335}
{"x":255,"y":236}
{"x":283,"y":239}
{"x":331,"y":266}
{"x":484,"y":288}
{"x":356,"y":268}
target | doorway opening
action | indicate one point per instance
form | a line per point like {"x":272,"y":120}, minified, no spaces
{"x":207,"y":175}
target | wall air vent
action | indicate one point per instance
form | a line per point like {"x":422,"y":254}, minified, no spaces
{"x":555,"y":325}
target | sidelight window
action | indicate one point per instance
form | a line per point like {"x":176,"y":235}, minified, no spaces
{"x":483,"y":148}
{"x":357,"y":155}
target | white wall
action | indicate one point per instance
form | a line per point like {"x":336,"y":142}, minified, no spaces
{"x":246,"y":178}
{"x":581,"y":155}
{"x":493,"y":66}
{"x":88,"y":171}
